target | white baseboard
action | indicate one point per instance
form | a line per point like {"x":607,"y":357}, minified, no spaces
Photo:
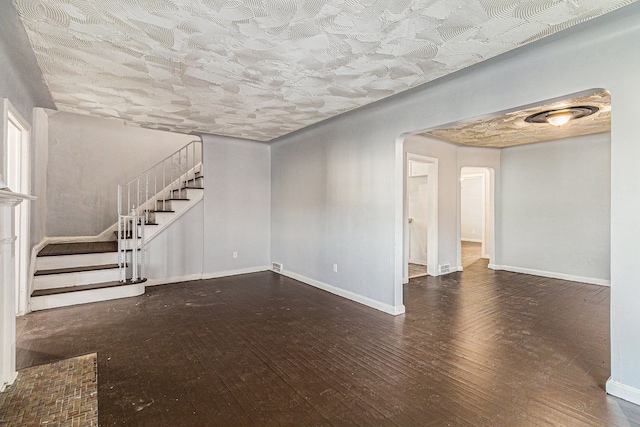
{"x":174,"y":279}
{"x":389,"y":309}
{"x":247,"y":270}
{"x":552,"y":275}
{"x":417,"y":262}
{"x":405,"y":280}
{"x":623,"y":391}
{"x":472,"y":240}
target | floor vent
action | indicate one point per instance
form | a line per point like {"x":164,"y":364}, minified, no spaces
{"x":445,"y":268}
{"x":277,"y":267}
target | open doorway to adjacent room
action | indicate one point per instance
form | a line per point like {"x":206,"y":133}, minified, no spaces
{"x":421,"y":215}
{"x":476,"y":213}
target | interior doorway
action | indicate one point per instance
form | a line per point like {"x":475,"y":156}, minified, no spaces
{"x":417,"y":222}
{"x":476,"y":214}
{"x":17,"y":167}
{"x":421,"y":216}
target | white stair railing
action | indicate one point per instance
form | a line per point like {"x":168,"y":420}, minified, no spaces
{"x":150,"y":191}
{"x":131,"y":247}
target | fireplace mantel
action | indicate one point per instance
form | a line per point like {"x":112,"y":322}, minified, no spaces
{"x":8,"y":200}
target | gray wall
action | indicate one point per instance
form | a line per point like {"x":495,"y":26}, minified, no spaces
{"x":88,"y":158}
{"x":39,"y":166}
{"x":332,"y":203}
{"x":555,"y":213}
{"x":237,"y":199}
{"x":177,"y":251}
{"x":334,"y":197}
{"x":20,"y":79}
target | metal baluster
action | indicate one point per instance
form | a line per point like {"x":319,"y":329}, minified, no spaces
{"x":155,"y":190}
{"x":171,"y":175}
{"x":146,"y":199}
{"x":164,"y":185}
{"x":180,"y":173}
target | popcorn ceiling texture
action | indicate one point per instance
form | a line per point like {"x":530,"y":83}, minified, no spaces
{"x":511,"y":129}
{"x":262,"y":69}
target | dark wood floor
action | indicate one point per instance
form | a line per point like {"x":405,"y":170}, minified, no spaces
{"x":474,"y":348}
{"x":78,"y":248}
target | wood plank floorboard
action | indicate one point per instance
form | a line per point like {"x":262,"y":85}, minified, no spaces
{"x":78,"y":248}
{"x":478,"y":348}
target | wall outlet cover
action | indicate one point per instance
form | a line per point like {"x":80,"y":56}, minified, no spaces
{"x":276,"y":267}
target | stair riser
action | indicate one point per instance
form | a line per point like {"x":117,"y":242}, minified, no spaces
{"x":72,"y":261}
{"x":83,"y":297}
{"x":62,"y":280}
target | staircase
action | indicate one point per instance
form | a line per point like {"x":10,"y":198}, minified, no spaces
{"x":82,"y":272}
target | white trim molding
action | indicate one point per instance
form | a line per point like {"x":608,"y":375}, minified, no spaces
{"x":227,"y":273}
{"x":623,"y":391}
{"x":386,"y":308}
{"x":174,"y":279}
{"x":552,"y":275}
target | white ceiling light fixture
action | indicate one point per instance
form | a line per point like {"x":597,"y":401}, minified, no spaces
{"x":506,"y":129}
{"x":563,"y":116}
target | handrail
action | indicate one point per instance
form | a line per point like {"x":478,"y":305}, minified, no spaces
{"x":160,"y":182}
{"x":195,"y":141}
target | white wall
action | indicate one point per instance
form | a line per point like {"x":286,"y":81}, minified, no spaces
{"x":332,"y":203}
{"x":237,"y":198}
{"x":471,"y":207}
{"x":555,"y":214}
{"x":177,"y":252}
{"x":88,"y":157}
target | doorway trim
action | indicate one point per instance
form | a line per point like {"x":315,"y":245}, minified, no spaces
{"x":432,"y":213}
{"x":11,"y":115}
{"x":488,"y":225}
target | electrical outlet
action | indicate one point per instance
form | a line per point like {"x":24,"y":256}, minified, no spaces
{"x":335,"y":268}
{"x":235,"y":254}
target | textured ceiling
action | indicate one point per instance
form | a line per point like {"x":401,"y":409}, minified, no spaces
{"x":260,"y":69}
{"x":511,"y":129}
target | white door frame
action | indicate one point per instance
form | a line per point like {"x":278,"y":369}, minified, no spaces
{"x":22,"y":211}
{"x":488,"y":223}
{"x":432,"y":214}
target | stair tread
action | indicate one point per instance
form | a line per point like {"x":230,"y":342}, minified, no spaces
{"x":68,"y":289}
{"x":78,"y":248}
{"x":174,"y":198}
{"x":75,"y":269}
{"x":161,"y":211}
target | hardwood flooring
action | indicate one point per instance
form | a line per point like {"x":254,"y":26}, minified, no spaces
{"x":478,"y":348}
{"x":78,"y":248}
{"x":416,"y":270}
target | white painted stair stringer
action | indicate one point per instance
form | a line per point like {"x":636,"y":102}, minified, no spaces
{"x":77,"y":278}
{"x":78,"y":260}
{"x":45,"y":302}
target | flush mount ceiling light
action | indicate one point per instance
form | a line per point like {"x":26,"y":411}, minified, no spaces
{"x":562,"y":116}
